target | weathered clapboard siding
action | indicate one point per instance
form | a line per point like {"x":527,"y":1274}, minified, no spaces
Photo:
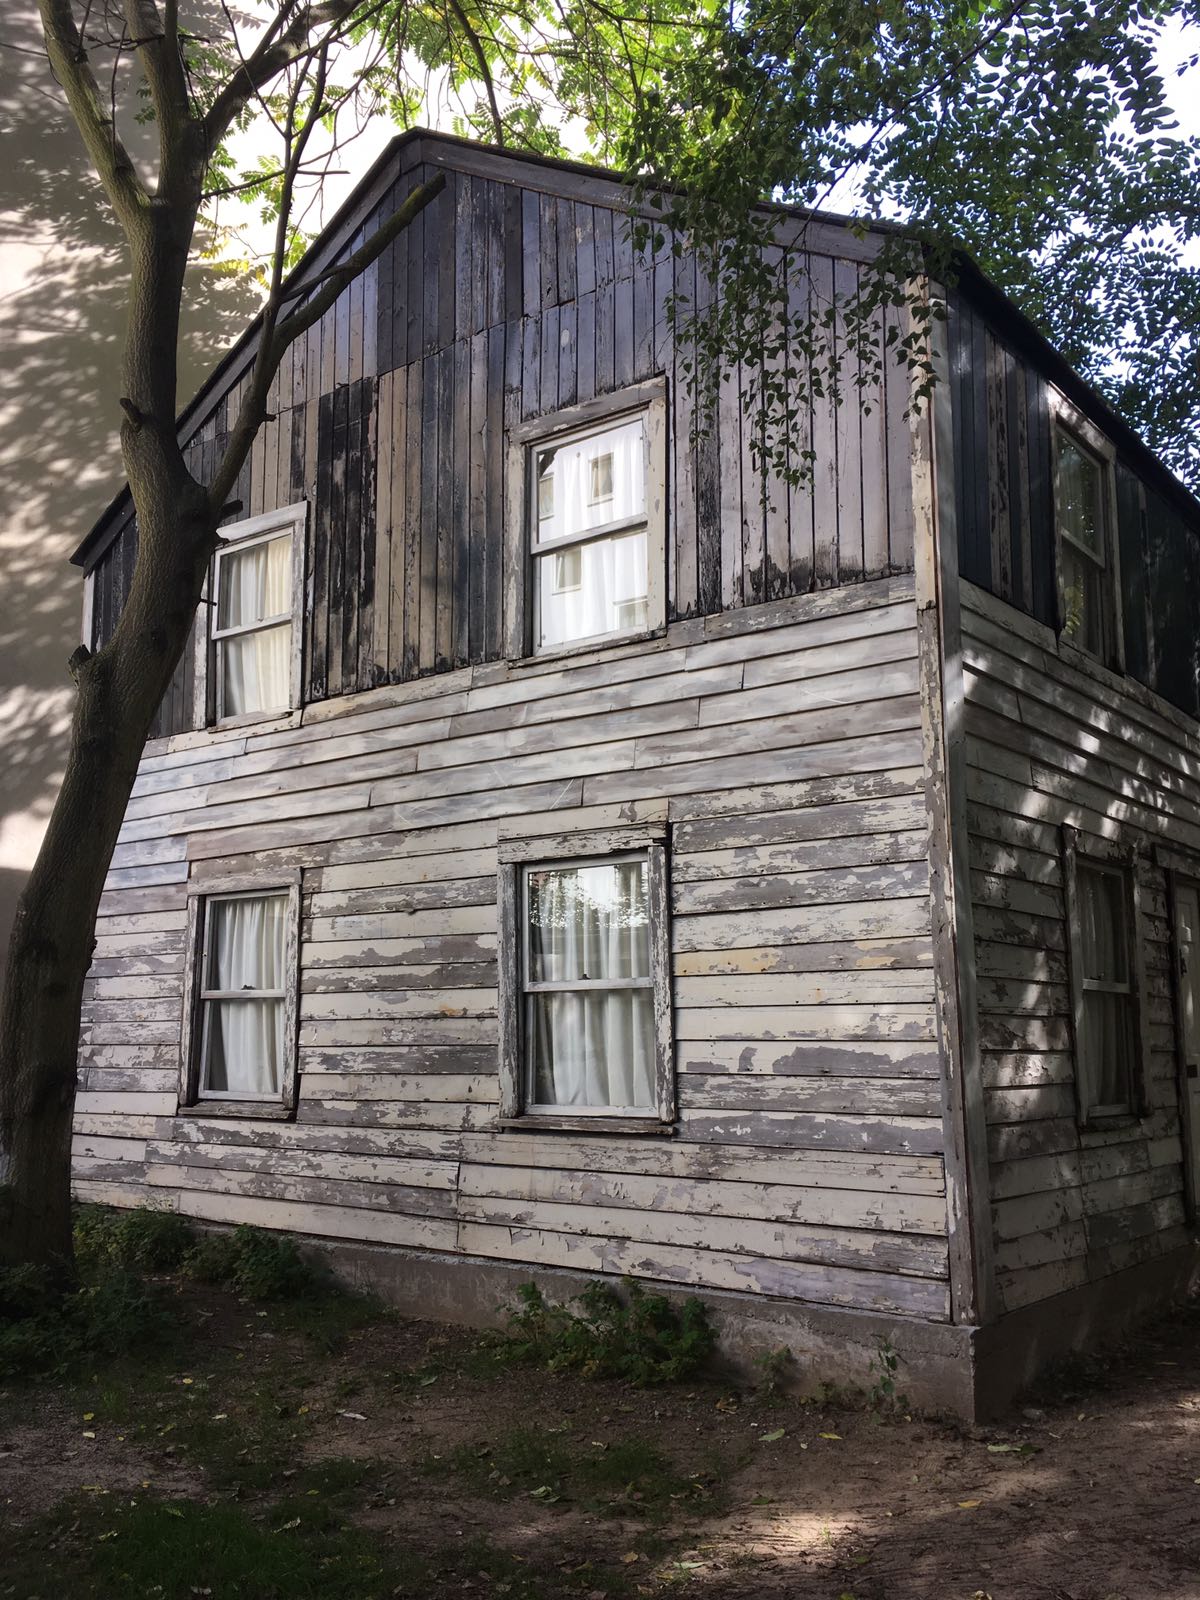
{"x":1052,"y":740}
{"x":517,"y":292}
{"x":807,"y":1157}
{"x":1000,"y":389}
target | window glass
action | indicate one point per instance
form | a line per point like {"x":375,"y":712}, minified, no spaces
{"x":1083,"y":600}
{"x":1087,"y":598}
{"x":586,"y":483}
{"x":607,"y":590}
{"x":1108,"y":1043}
{"x":590,"y":1040}
{"x":1080,"y":496}
{"x":254,"y":586}
{"x":243,"y":997}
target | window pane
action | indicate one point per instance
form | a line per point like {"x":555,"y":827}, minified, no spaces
{"x":591,"y":481}
{"x":588,"y":922}
{"x":1108,"y":1048}
{"x":244,"y":1047}
{"x":1079,"y":494}
{"x":592,"y":1049}
{"x":1083,"y":599}
{"x":1102,"y":915}
{"x":255,"y":671}
{"x":610,"y":591}
{"x":254,"y":583}
{"x":246,"y":943}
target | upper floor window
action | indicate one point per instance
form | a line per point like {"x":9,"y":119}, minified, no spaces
{"x":1088,"y":598}
{"x":253,"y":655}
{"x":586,"y":1014}
{"x":593,"y":537}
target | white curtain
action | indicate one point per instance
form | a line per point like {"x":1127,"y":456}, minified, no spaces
{"x":606,"y":580}
{"x":245,"y":1037}
{"x":610,"y":594}
{"x":590,"y":1048}
{"x":255,"y":667}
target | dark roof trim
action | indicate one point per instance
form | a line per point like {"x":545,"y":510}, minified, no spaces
{"x":827,"y":232}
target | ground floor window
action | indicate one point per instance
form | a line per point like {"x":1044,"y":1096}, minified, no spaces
{"x":586,"y":1005}
{"x":239,"y":1044}
{"x":1105,"y":965}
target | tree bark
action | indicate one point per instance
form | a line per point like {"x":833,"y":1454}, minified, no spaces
{"x":119,"y":690}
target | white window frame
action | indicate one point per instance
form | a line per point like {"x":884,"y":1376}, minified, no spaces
{"x":517,"y":858}
{"x":524,"y":545}
{"x":1067,"y":422}
{"x":198,"y":999}
{"x":289,"y":521}
{"x":1121,"y":861}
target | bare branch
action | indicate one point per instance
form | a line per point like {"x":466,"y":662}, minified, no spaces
{"x":69,"y":60}
{"x":157,"y":40}
{"x":289,"y":37}
{"x":485,"y":70}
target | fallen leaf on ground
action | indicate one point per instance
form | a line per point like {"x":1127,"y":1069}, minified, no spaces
{"x":831,"y":1436}
{"x":969,"y":1505}
{"x":770,"y":1438}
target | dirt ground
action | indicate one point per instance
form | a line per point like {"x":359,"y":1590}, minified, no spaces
{"x":427,"y":1451}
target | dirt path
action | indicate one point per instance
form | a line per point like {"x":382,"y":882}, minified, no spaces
{"x":597,"y":1490}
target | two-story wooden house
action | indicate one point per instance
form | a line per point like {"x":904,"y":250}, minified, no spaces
{"x":558,"y":857}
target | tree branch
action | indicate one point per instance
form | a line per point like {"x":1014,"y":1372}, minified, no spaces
{"x":485,"y":70}
{"x":69,"y":61}
{"x":157,"y":39}
{"x":283,"y":42}
{"x":273,"y":348}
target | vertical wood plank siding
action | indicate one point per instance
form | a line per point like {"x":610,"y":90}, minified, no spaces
{"x":1053,"y":739}
{"x":1004,"y":503}
{"x":498,"y":305}
{"x":807,"y":1158}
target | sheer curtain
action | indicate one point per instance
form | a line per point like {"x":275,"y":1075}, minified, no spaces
{"x":245,"y":1037}
{"x":590,"y":1047}
{"x":255,"y":667}
{"x":584,"y":485}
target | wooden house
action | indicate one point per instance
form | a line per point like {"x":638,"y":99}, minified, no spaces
{"x":557,"y":857}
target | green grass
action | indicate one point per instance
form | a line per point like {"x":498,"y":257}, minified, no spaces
{"x":300,"y":1548}
{"x":630,"y":1477}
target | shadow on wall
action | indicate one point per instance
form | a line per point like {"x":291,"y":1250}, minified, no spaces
{"x":62,"y":312}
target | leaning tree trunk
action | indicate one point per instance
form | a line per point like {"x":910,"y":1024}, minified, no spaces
{"x":119,"y":690}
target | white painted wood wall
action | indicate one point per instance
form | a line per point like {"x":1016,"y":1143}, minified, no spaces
{"x":1053,"y":738}
{"x":783,"y":744}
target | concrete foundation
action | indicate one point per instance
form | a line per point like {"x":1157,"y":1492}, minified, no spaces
{"x":966,"y":1372}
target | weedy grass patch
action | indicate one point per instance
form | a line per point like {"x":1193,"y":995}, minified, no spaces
{"x":642,"y":1338}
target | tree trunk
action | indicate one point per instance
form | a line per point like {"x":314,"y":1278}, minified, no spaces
{"x":119,"y":691}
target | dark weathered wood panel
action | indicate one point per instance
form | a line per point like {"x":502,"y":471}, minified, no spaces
{"x":502,"y":303}
{"x":1004,"y":505}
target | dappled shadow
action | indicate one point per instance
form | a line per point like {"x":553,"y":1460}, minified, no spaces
{"x":62,"y":313}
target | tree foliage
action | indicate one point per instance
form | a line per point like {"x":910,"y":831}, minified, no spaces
{"x":1038,"y":135}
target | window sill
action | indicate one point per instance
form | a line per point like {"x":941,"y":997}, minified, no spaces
{"x":266,"y":721}
{"x":1110,"y":1122}
{"x":1075,"y":655}
{"x":260,"y":1110}
{"x":596,"y":645}
{"x":639,"y":1126}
